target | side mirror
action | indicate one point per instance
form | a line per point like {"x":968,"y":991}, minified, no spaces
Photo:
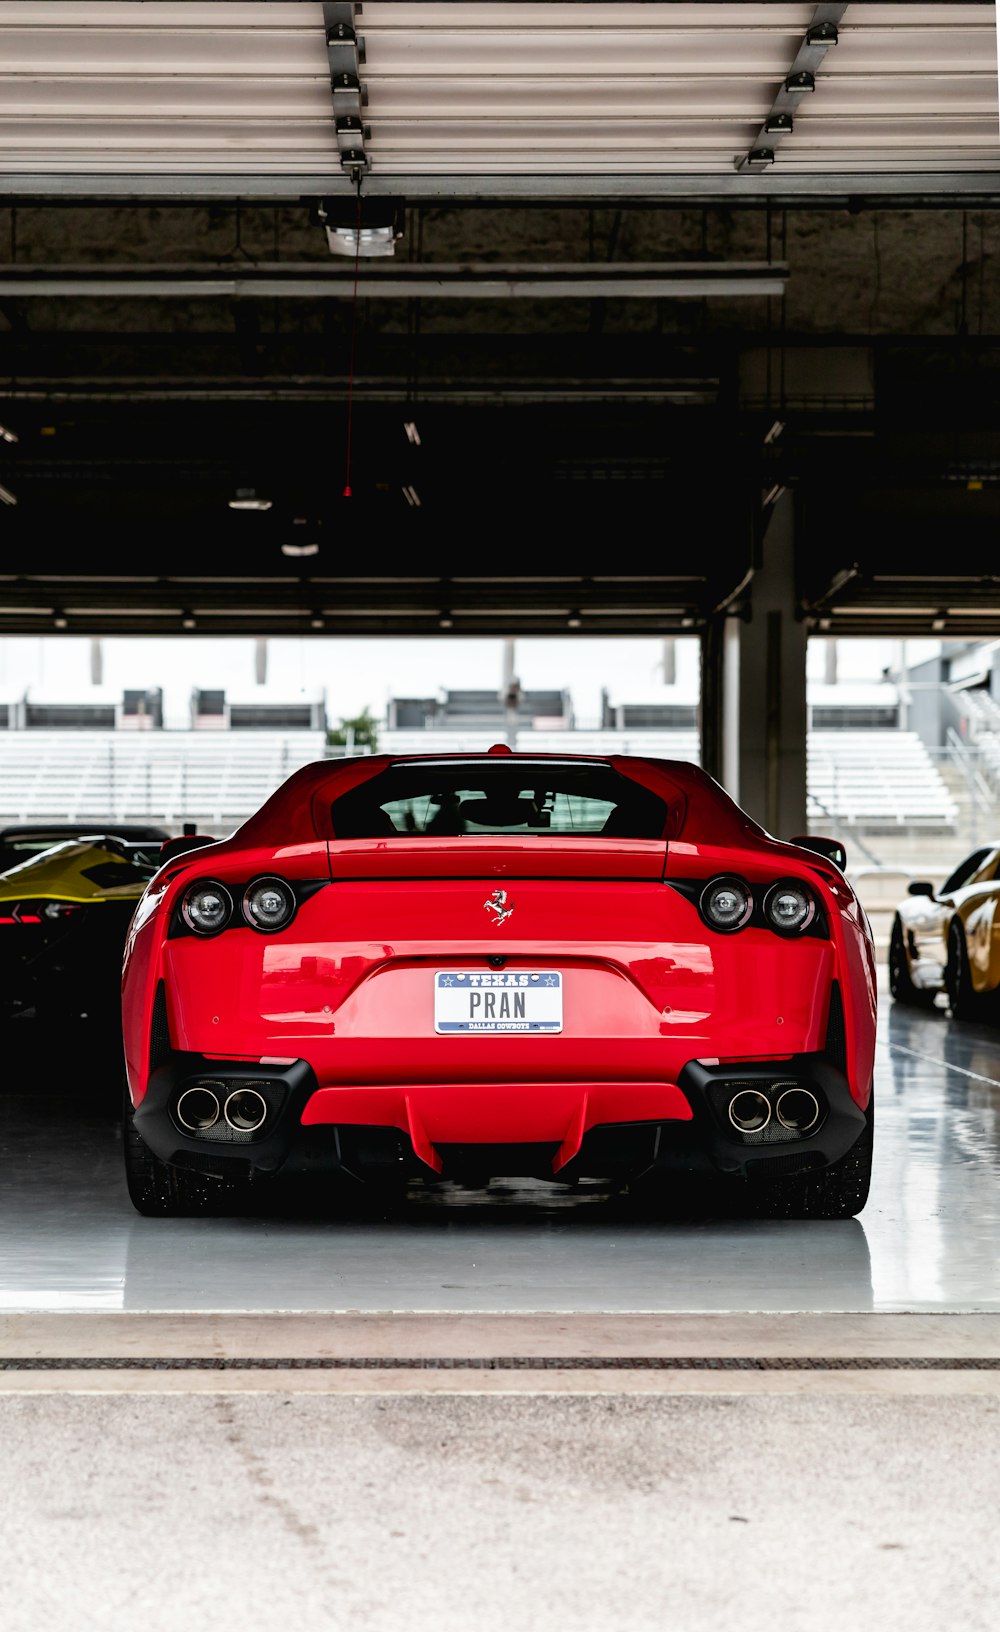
{"x":832,"y":849}
{"x":920,"y":886}
{"x":184,"y":842}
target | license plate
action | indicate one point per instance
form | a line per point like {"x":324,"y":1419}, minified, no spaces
{"x":488,"y":1000}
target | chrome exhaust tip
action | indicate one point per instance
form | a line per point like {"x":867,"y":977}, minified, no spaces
{"x":797,"y":1109}
{"x":245,"y":1110}
{"x":198,"y":1108}
{"x":749,"y":1110}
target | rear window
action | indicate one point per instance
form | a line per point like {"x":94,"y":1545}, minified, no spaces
{"x":469,"y":800}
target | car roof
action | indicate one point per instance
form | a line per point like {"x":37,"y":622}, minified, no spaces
{"x":294,"y":813}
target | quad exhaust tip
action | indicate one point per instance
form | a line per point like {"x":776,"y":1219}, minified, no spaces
{"x":797,"y":1109}
{"x":245,"y":1110}
{"x":749,"y":1110}
{"x":198,"y":1109}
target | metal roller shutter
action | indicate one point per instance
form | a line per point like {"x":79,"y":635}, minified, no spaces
{"x":512,"y":88}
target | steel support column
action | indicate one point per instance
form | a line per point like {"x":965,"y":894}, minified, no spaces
{"x":754,"y":690}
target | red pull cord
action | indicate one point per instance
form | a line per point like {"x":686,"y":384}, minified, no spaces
{"x":347,"y":494}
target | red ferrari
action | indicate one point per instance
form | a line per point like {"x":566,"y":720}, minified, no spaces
{"x":475,"y":965}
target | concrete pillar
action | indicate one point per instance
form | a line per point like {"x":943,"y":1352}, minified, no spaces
{"x":903,"y":684}
{"x":753,"y":715}
{"x":510,"y":695}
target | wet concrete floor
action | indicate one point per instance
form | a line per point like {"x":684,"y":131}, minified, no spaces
{"x":926,"y":1241}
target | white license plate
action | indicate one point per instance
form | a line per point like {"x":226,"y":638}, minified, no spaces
{"x":488,"y":1000}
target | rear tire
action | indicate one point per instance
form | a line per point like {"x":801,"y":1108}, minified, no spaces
{"x":837,"y":1191}
{"x":158,"y":1190}
{"x":962,"y":1000}
{"x":900,"y":980}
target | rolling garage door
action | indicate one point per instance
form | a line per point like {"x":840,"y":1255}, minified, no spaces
{"x":505,"y":89}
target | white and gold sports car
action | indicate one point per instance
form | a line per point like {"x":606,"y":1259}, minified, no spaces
{"x":947,"y":939}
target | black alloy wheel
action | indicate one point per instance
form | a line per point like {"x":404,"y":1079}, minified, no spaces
{"x":962,"y":1000}
{"x":901,"y":984}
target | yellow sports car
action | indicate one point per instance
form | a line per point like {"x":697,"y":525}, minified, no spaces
{"x":64,"y":914}
{"x":25,"y":839}
{"x":948,"y":939}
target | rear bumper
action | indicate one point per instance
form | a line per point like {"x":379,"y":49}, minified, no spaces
{"x":550,"y":1129}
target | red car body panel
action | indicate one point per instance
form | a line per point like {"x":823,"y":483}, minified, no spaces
{"x":648,"y":985}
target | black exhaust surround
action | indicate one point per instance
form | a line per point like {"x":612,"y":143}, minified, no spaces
{"x":707,"y":1144}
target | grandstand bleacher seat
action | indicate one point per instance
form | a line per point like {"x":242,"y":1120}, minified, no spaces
{"x":663,"y":744}
{"x":876,"y":779}
{"x":870,"y":778}
{"x":215,"y":780}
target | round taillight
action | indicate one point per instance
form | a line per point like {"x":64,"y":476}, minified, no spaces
{"x":789,"y":907}
{"x":268,"y":904}
{"x":206,"y":907}
{"x":726,"y":903}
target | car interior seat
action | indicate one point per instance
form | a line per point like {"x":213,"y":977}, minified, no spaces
{"x":499,"y":810}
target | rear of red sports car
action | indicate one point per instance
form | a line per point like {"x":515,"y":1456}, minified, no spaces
{"x":497,"y":964}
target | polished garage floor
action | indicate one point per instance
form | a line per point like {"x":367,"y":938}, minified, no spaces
{"x":756,"y":1425}
{"x":927,"y":1239}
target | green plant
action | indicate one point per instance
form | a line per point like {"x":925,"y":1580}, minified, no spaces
{"x":360,"y":731}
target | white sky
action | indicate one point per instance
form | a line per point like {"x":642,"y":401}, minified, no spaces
{"x":367,"y":672}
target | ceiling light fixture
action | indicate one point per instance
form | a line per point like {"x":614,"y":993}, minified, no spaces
{"x":247,"y":498}
{"x":775,"y":431}
{"x":412,"y":434}
{"x":445,"y":620}
{"x":59,"y":620}
{"x":7,"y":435}
{"x":412,"y":497}
{"x":188,"y":621}
{"x":377,"y":234}
{"x":300,"y":549}
{"x":6,"y":496}
{"x":574,"y":620}
{"x":368,"y":243}
{"x":316,"y":621}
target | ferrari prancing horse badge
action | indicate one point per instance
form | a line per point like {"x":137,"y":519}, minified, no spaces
{"x":497,"y":905}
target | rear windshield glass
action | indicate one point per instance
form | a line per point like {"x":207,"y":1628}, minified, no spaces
{"x":468,"y":800}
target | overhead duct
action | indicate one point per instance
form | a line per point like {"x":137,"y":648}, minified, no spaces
{"x":492,"y":280}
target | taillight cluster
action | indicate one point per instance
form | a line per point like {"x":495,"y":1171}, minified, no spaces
{"x":39,"y":912}
{"x":727,"y":904}
{"x":267,"y":904}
